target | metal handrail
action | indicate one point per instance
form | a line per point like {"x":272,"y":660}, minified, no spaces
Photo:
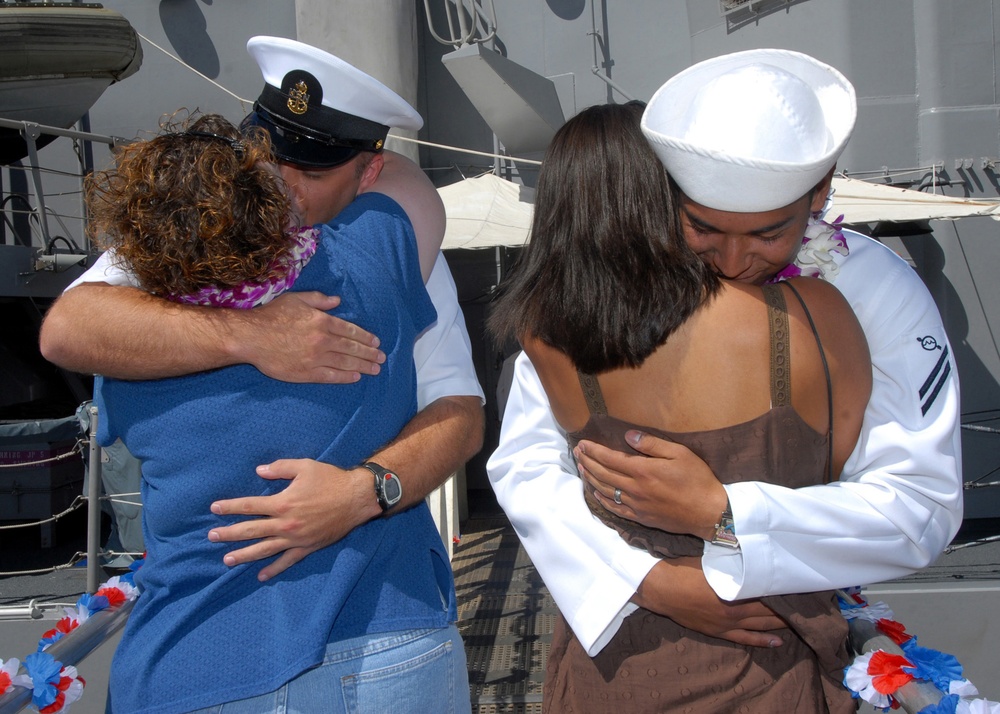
{"x":864,"y":636}
{"x":101,"y":625}
{"x":73,"y":648}
{"x":466,"y":34}
{"x":93,"y":503}
{"x":30,"y":132}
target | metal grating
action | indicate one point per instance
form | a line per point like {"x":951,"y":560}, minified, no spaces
{"x":506,"y":617}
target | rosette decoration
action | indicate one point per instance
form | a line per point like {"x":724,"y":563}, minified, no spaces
{"x":55,"y":687}
{"x":877,"y":676}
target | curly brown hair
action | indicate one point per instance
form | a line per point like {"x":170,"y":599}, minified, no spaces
{"x":194,"y":207}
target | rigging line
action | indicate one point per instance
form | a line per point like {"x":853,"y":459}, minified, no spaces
{"x":77,"y":449}
{"x":77,"y":503}
{"x":240,"y":99}
{"x":981,"y":541}
{"x":981,"y":428}
{"x":246,"y":102}
{"x":122,"y":501}
{"x":979,"y":297}
{"x":467,"y":151}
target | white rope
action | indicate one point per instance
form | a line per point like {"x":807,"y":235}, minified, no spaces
{"x":77,"y":503}
{"x":247,"y":102}
{"x":467,"y":151}
{"x":240,"y":99}
{"x":77,"y":448}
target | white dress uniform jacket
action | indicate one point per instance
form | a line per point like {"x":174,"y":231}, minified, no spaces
{"x":896,"y":507}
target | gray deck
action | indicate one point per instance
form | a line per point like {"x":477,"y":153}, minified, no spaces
{"x":506,"y":615}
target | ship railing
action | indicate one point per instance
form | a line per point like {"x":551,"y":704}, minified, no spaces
{"x":100,"y":626}
{"x":73,"y":648}
{"x":92,"y":498}
{"x":31,"y":132}
{"x":468,"y":23}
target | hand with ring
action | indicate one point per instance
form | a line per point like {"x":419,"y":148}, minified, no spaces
{"x":668,"y":486}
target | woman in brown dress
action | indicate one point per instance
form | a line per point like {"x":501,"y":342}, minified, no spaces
{"x":627,"y":329}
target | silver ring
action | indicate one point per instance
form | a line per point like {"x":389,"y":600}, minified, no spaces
{"x":618,"y":496}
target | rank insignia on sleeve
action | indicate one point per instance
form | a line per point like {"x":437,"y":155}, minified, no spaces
{"x":937,"y":377}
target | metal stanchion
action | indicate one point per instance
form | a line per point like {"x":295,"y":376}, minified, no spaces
{"x":913,"y":696}
{"x":93,"y":505}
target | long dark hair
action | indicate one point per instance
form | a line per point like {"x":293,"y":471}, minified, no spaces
{"x":607,"y":276}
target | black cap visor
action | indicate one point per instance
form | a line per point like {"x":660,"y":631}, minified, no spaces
{"x":298,"y":148}
{"x":308,"y":133}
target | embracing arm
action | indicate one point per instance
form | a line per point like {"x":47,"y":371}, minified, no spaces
{"x":899,"y":500}
{"x":124,"y":332}
{"x":595,"y":577}
{"x":323,"y":503}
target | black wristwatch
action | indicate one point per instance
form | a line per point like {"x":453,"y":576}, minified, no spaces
{"x":388,"y":489}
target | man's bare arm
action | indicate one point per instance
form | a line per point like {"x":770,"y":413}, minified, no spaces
{"x":408,"y":185}
{"x":323,"y":503}
{"x":124,"y":332}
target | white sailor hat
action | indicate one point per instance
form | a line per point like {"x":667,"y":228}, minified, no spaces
{"x":751,"y":131}
{"x":319,"y":110}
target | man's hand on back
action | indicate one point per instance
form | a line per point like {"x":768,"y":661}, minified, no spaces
{"x":294,"y":340}
{"x":321,"y":505}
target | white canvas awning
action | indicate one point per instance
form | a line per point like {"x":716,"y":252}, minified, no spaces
{"x":864,"y":202}
{"x":489,"y":211}
{"x":486,"y":211}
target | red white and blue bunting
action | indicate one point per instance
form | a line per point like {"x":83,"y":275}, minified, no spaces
{"x":876,"y":676}
{"x":54,"y":686}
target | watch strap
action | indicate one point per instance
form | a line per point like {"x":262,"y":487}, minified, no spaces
{"x":382,"y":494}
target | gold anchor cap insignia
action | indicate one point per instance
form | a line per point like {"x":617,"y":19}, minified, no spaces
{"x":298,"y":98}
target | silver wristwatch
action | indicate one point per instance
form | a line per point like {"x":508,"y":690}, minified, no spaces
{"x":725,"y":529}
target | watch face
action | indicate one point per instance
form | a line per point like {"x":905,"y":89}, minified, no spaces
{"x":391,"y":489}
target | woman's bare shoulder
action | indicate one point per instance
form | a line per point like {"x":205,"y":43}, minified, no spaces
{"x":560,"y":381}
{"x":838,"y":326}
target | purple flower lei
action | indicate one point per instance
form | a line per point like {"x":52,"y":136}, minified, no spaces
{"x":254,"y":293}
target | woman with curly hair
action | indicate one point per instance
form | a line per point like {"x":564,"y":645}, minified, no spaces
{"x":199,"y":215}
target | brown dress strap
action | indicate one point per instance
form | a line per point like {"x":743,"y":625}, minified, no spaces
{"x":781,"y":356}
{"x":592,"y":393}
{"x":829,"y":383}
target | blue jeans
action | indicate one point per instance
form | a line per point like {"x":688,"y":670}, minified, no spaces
{"x":410,"y":671}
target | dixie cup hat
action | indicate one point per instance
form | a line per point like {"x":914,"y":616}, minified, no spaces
{"x":751,"y":131}
{"x":319,"y":110}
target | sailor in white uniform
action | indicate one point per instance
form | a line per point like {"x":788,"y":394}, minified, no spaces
{"x":898,"y":502}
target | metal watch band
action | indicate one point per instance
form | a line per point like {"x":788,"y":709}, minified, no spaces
{"x":725,"y":529}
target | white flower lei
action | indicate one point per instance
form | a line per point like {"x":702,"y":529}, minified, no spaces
{"x":820,"y":241}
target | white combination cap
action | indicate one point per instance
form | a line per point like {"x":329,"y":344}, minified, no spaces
{"x":320,"y":110}
{"x":751,"y":131}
